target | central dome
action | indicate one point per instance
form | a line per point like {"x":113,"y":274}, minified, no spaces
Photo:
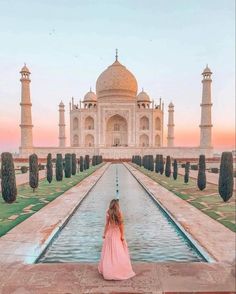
{"x":116,"y":80}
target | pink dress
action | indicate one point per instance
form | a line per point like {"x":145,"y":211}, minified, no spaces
{"x":115,"y":260}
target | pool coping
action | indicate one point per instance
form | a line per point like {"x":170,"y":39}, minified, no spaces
{"x":26,"y":241}
{"x":206,"y":232}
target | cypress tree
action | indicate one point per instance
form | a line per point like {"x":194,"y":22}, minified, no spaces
{"x":93,"y":160}
{"x":186,"y":175}
{"x":81,"y":163}
{"x":74,"y":165}
{"x":151,"y":163}
{"x":168,"y":167}
{"x":8,"y":183}
{"x":157,"y":164}
{"x":33,"y":171}
{"x":201,"y":178}
{"x":68,"y":165}
{"x":175,"y":171}
{"x":226,"y":179}
{"x":49,"y":168}
{"x":59,"y":167}
{"x":87,"y":161}
{"x":161,"y":162}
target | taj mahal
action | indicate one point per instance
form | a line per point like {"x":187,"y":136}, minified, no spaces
{"x":116,"y":121}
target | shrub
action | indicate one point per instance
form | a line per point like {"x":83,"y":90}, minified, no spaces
{"x":33,"y":171}
{"x":194,"y":167}
{"x":157,"y":163}
{"x":150,"y":163}
{"x":186,"y":175}
{"x":168,"y":167}
{"x":68,"y":165}
{"x":41,"y":166}
{"x":161,"y":169}
{"x":81,"y":163}
{"x":183,"y":165}
{"x":214,"y":170}
{"x":59,"y":167}
{"x":24,"y":169}
{"x":94,"y":160}
{"x":175,"y":169}
{"x":226,"y":180}
{"x":8,"y":182}
{"x":201,"y":178}
{"x":49,"y":168}
{"x":74,"y":164}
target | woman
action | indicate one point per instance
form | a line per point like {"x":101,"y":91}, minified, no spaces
{"x":115,"y":261}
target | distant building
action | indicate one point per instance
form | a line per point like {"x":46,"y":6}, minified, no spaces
{"x":116,"y":121}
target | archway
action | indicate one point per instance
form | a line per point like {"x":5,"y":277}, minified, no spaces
{"x":157,"y":141}
{"x":116,"y":131}
{"x":144,"y":123}
{"x":75,"y":141}
{"x":143,"y":140}
{"x":158,"y":124}
{"x":75,"y":123}
{"x":89,"y":140}
{"x":89,"y":123}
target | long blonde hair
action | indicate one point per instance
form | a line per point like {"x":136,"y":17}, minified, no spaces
{"x":114,"y":212}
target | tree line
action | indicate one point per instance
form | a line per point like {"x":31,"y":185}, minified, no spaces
{"x":65,"y":167}
{"x":226,"y":176}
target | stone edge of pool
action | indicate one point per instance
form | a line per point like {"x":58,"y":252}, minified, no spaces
{"x":210,"y":234}
{"x":27,"y":241}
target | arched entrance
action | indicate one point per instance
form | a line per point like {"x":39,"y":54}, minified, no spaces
{"x":116,"y":131}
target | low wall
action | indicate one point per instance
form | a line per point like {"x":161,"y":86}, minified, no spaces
{"x":120,"y":152}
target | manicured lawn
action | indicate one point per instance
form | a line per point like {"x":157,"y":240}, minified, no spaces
{"x":208,"y":200}
{"x":28,"y":202}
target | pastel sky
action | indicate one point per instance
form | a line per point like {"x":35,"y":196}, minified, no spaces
{"x":166,"y":44}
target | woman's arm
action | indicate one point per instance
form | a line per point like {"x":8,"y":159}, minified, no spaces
{"x":106,"y":226}
{"x":121,"y":227}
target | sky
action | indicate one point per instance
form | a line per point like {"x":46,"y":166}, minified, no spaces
{"x":165,"y":44}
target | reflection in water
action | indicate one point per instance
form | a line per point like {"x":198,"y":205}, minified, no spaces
{"x":150,"y":235}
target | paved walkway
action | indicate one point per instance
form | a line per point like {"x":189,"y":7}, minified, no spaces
{"x":24,"y":178}
{"x":25,"y":242}
{"x":210,"y":177}
{"x":153,"y":278}
{"x":209,"y":233}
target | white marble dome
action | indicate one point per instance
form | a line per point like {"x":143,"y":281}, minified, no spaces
{"x":143,"y":97}
{"x":90,"y":97}
{"x":116,"y":79}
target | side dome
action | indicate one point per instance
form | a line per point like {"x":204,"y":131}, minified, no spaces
{"x":90,"y":97}
{"x":116,"y":80}
{"x":143,"y":97}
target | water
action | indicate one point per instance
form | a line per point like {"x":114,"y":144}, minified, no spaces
{"x":151,"y":236}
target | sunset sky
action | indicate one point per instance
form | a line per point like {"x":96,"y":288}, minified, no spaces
{"x":165,"y":44}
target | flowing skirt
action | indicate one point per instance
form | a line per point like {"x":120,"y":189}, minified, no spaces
{"x":115,"y":260}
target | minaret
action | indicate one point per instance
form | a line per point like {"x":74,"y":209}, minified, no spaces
{"x":206,"y":125}
{"x":170,"y":135}
{"x":26,"y":119}
{"x":62,"y":126}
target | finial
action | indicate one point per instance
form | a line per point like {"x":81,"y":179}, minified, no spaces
{"x":142,"y":90}
{"x":24,"y":64}
{"x":116,"y":54}
{"x":90,"y":89}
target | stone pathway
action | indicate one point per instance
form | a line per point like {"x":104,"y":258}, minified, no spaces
{"x":211,"y":177}
{"x":156,"y":278}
